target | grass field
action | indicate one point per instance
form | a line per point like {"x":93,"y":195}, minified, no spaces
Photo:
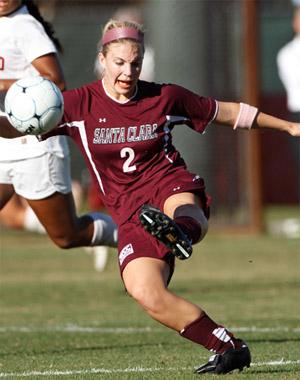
{"x":61,"y":319}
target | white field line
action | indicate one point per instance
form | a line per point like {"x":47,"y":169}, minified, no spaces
{"x":132,"y":330}
{"x":105,"y":371}
{"x":79,"y":329}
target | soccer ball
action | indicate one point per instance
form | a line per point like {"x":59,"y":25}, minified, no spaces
{"x":34,"y":105}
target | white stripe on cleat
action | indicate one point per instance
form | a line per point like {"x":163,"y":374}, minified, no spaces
{"x":185,"y":253}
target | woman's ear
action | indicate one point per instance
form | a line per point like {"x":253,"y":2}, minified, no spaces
{"x":101,"y":59}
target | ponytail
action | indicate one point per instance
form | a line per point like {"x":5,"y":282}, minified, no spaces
{"x":34,"y":11}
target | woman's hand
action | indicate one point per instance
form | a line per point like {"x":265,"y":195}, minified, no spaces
{"x":294,"y":129}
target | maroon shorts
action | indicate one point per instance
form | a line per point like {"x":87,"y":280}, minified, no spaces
{"x":135,"y":242}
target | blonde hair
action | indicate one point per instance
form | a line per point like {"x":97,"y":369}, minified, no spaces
{"x":111,"y":24}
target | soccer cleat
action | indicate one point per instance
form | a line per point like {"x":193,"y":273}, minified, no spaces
{"x":166,"y":230}
{"x":234,"y":358}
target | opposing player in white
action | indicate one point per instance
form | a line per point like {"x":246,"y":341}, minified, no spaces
{"x":28,"y":48}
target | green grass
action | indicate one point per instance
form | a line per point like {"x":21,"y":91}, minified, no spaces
{"x":249,"y":283}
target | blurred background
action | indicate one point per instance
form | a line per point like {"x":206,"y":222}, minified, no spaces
{"x":221,"y":48}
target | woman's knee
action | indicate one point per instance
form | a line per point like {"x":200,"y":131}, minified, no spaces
{"x":151,"y":299}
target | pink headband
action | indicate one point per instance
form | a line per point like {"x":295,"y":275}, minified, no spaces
{"x":122,"y":32}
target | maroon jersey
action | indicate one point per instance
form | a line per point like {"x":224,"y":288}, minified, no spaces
{"x":128,"y":146}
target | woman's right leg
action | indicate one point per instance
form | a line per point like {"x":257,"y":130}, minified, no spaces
{"x":182,"y":223}
{"x":17,"y":214}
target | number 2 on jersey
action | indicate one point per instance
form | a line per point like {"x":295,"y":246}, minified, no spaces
{"x":129,"y":153}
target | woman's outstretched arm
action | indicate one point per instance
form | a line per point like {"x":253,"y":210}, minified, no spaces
{"x":239,"y":115}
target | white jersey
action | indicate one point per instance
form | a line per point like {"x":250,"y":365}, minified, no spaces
{"x":288,"y":61}
{"x":22,"y":40}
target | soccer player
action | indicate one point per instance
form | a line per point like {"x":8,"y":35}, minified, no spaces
{"x":123,"y":127}
{"x":40,"y":171}
{"x":288,"y":62}
{"x":123,"y":13}
{"x":288,"y":59}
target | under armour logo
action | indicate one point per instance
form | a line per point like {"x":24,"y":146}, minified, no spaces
{"x":102,"y":120}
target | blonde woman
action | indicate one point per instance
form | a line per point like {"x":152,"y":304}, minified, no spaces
{"x":123,"y":127}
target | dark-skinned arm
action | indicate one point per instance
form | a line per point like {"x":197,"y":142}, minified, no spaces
{"x":48,"y":66}
{"x":7,"y":130}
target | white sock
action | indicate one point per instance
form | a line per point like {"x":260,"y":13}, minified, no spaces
{"x":100,"y":257}
{"x":105,"y":230}
{"x":31,"y":222}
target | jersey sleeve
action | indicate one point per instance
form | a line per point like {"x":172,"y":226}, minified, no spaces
{"x":32,"y":39}
{"x":73,"y":105}
{"x":197,"y":111}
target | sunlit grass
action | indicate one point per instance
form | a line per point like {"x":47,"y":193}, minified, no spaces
{"x":251,"y":283}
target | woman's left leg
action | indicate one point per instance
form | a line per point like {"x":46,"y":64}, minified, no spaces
{"x":146,"y":281}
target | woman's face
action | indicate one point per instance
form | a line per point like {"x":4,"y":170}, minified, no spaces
{"x":122,"y":66}
{"x":296,"y":21}
{"x":8,"y":6}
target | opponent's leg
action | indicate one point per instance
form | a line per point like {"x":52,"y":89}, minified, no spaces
{"x":12,"y":208}
{"x":6,"y":192}
{"x":58,"y":215}
{"x":31,"y":222}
